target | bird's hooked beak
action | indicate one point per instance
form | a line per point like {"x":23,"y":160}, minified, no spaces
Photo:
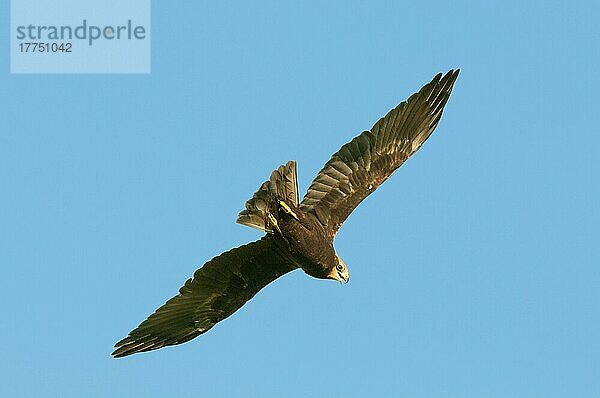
{"x":342,"y":273}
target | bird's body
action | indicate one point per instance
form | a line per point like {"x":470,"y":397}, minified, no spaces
{"x":274,"y":208}
{"x":307,"y":243}
{"x":299,"y":234}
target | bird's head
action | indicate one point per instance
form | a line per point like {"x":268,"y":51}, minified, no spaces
{"x":340,"y":272}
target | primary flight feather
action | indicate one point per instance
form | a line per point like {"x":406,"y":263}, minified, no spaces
{"x":298,"y":234}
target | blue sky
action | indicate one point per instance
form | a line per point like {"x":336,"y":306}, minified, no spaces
{"x":474,"y":268}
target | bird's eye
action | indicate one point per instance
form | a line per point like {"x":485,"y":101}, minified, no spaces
{"x":340,"y":267}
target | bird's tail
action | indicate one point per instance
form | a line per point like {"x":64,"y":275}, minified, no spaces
{"x":261,"y":209}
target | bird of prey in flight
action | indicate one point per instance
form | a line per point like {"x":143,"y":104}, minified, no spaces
{"x":299,"y":234}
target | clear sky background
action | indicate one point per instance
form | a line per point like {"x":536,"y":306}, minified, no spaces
{"x":475,"y":268}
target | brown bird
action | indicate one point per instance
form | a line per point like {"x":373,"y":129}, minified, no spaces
{"x":298,"y":234}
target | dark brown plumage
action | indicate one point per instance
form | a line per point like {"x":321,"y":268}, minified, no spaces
{"x":299,"y":234}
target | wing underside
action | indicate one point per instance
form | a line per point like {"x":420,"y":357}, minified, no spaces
{"x":216,"y":291}
{"x":364,"y":163}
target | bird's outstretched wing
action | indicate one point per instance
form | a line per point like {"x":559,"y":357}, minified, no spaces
{"x":361,"y":165}
{"x":216,"y":291}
